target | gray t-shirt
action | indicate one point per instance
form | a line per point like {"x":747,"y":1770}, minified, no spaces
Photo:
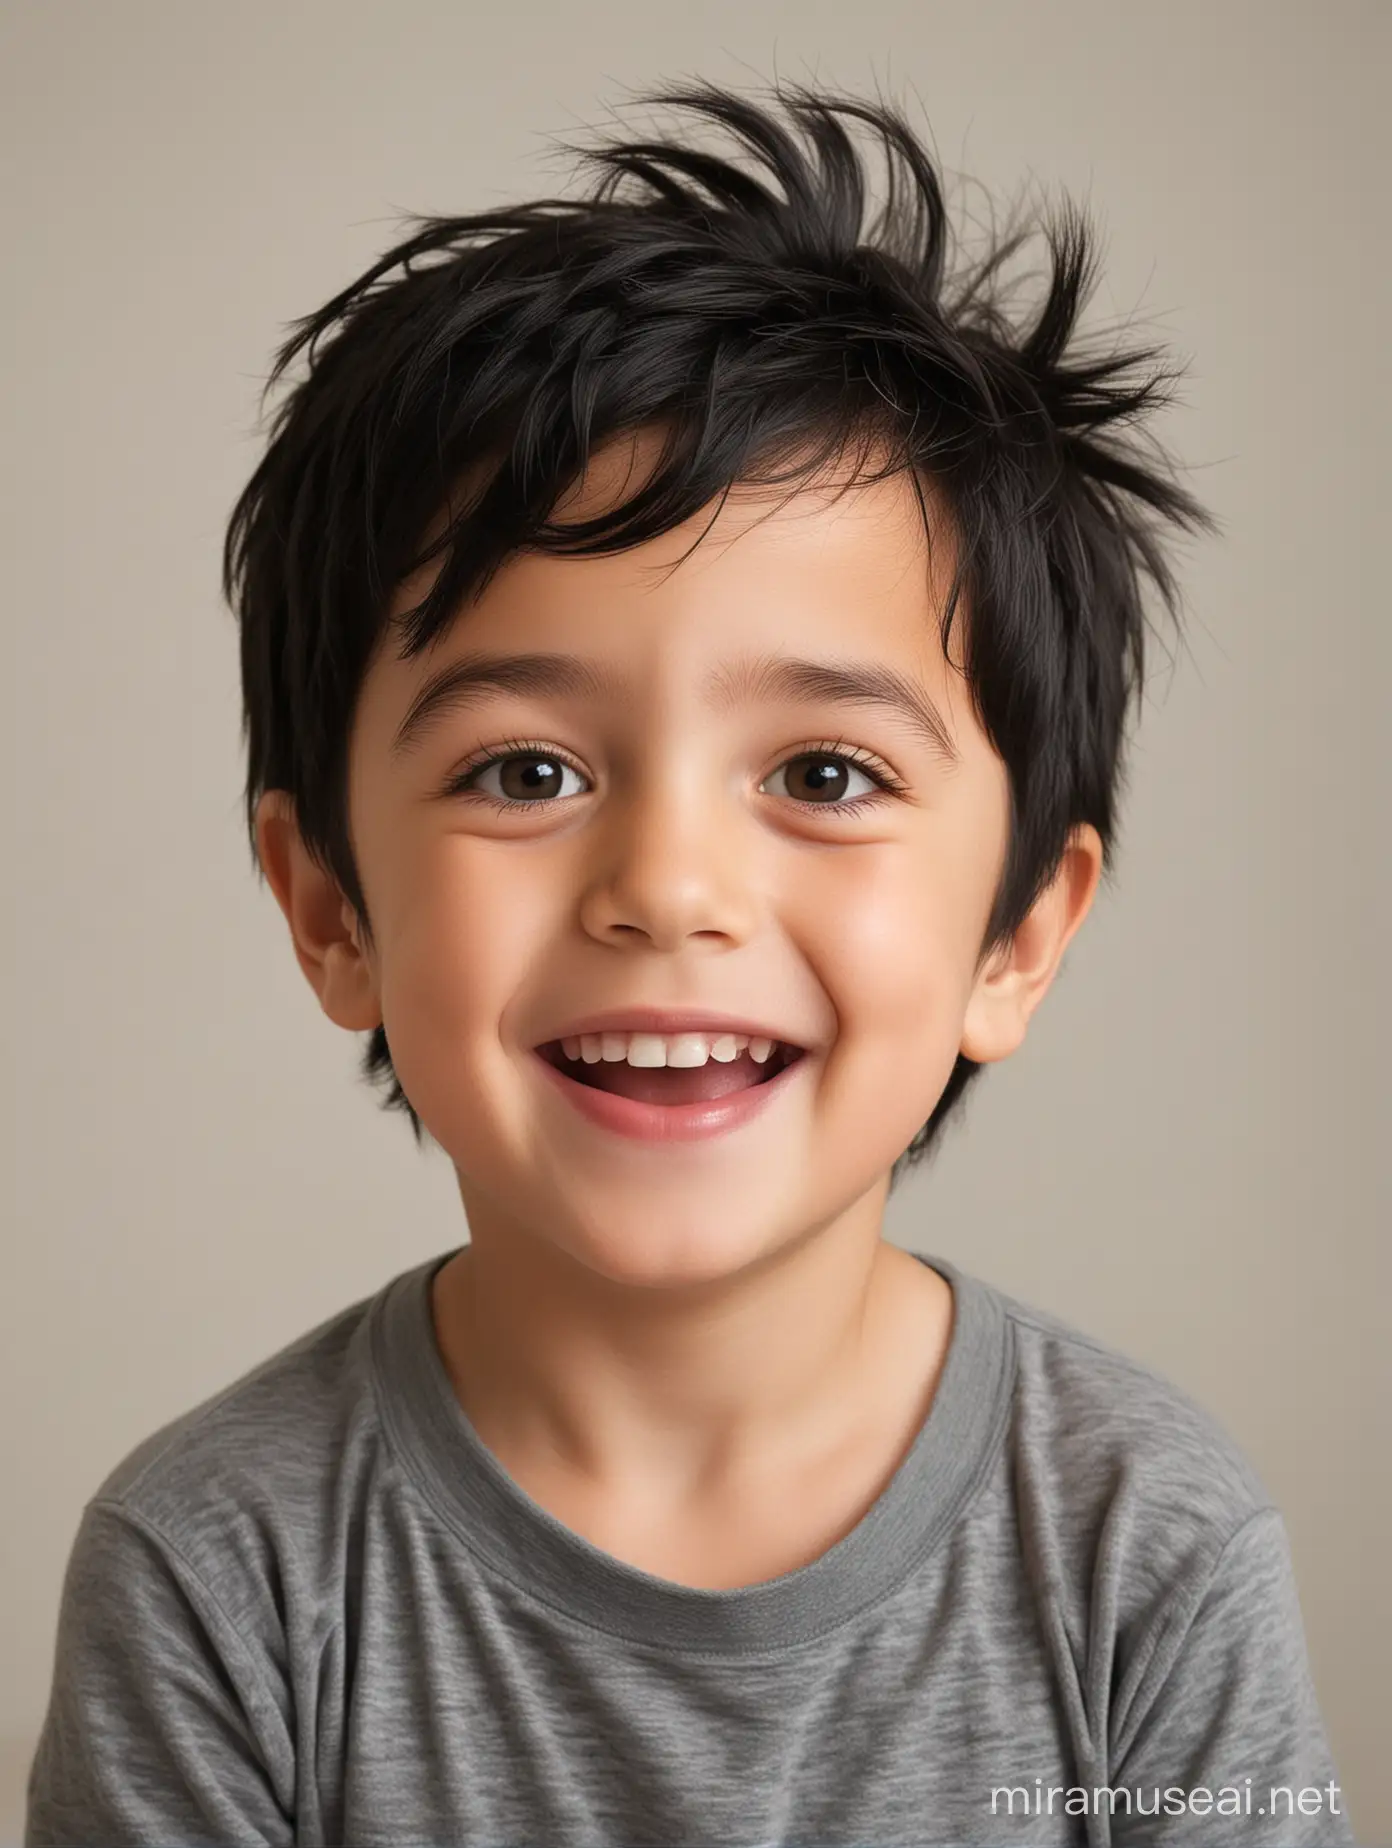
{"x":316,"y":1609}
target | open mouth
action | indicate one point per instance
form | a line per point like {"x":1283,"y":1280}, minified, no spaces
{"x":672,"y":1084}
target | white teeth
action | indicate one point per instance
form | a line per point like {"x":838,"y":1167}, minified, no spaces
{"x":652,"y":1050}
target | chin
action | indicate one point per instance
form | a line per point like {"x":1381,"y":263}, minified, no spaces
{"x":682,"y":1256}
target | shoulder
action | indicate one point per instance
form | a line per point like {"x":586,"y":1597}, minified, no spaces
{"x":1117,"y":1462}
{"x":241,"y":1480}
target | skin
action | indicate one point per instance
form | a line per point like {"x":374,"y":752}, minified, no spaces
{"x":705,"y":1358}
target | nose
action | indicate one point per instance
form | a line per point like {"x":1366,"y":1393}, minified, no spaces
{"x":669,"y":863}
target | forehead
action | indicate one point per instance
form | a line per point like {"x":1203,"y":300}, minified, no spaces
{"x":829,"y":567}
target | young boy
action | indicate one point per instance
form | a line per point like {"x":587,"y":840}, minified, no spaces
{"x":686,"y":645}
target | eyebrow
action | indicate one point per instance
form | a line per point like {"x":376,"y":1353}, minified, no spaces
{"x":476,"y":679}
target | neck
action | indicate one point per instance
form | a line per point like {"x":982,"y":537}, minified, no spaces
{"x":673,"y":1395}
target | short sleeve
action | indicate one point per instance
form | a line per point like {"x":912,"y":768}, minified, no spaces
{"x":159,"y":1728}
{"x":1226,"y":1738}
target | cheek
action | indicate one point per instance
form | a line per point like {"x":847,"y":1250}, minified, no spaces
{"x":892,"y":947}
{"x":464,"y":933}
{"x":894,"y":950}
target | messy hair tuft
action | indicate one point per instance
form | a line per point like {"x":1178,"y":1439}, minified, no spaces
{"x":765,"y":330}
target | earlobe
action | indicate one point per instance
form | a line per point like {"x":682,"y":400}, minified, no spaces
{"x":1016,"y":979}
{"x":995,"y":1021}
{"x":321,"y":922}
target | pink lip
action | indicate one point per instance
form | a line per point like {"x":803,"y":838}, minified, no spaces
{"x":624,"y":1116}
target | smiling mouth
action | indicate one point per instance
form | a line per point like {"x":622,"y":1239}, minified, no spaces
{"x":669,"y":1084}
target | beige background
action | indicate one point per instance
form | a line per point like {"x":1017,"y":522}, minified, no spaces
{"x":1187,"y":1158}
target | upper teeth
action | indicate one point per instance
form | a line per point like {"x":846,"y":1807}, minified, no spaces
{"x":666,"y":1048}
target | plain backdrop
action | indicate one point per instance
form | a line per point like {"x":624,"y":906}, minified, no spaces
{"x":1188,"y":1156}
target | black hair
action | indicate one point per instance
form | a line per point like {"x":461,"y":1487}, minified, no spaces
{"x":754,"y":331}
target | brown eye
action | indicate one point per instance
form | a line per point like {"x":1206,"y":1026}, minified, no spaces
{"x":521,"y":777}
{"x":525,"y":779}
{"x":822,"y":778}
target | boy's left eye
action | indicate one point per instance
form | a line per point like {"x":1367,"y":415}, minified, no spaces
{"x":825,"y":773}
{"x":531,"y":776}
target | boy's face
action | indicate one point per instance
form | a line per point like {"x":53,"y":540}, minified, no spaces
{"x":684,"y":863}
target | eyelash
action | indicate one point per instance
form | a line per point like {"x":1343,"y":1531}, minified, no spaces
{"x":878,"y":772}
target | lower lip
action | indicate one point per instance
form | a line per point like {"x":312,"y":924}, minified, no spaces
{"x":624,"y":1116}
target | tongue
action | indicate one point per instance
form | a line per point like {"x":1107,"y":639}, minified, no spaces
{"x":668,"y":1084}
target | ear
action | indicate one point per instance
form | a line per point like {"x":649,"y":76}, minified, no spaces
{"x":323,"y":928}
{"x":1015,"y":981}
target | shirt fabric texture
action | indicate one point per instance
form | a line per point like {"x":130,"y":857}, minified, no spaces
{"x":315,"y":1609}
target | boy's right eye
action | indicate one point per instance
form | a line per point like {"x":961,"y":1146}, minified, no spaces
{"x":525,"y":777}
